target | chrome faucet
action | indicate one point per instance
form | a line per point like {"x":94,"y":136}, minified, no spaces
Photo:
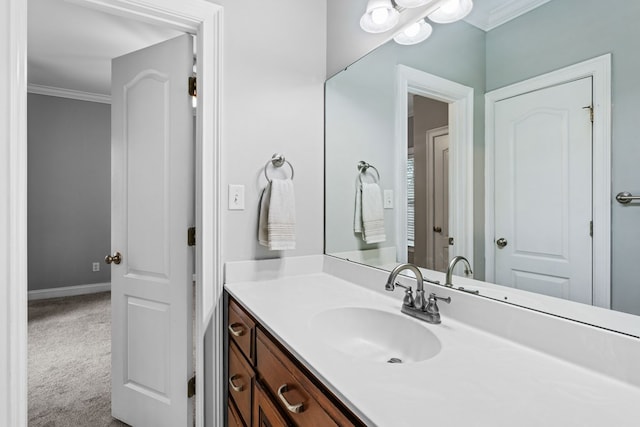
{"x":452,"y":265}
{"x":419,"y":299}
{"x":416,"y":307}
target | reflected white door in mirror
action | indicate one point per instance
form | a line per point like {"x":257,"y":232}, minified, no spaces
{"x":541,"y":200}
{"x":542,"y":197}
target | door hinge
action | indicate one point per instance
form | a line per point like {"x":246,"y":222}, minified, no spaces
{"x":193,"y":86}
{"x":191,"y":387}
{"x":191,"y":236}
{"x":450,"y":241}
{"x":591,"y":228}
{"x":590,"y":108}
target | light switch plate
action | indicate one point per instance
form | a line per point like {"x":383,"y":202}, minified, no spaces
{"x":236,"y":197}
{"x":388,"y":199}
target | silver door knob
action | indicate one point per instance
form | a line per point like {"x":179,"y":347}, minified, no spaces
{"x":116,"y":258}
{"x":501,"y":242}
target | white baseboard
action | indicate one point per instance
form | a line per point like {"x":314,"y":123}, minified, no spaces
{"x":69,"y":291}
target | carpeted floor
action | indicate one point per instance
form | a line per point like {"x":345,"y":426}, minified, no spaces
{"x":70,"y":362}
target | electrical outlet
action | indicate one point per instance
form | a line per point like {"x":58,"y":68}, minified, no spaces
{"x":236,"y":197}
{"x":96,"y":266}
{"x":388,"y":199}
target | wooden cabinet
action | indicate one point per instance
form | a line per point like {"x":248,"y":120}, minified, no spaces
{"x":233,"y":418}
{"x":241,"y":329}
{"x":268,"y":387}
{"x":265,"y":413}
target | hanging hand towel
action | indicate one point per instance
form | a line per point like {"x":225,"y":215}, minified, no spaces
{"x":370,"y":213}
{"x":276,"y":228}
{"x":357,"y":218}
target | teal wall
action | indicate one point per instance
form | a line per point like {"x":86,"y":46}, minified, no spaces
{"x":564,"y":32}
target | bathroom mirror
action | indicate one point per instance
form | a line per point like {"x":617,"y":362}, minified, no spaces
{"x":385,"y":110}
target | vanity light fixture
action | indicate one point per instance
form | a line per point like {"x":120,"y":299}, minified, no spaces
{"x":451,"y":11}
{"x":380,"y":16}
{"x":414,"y":33}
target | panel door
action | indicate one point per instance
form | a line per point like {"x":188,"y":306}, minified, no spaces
{"x":543,"y":191}
{"x":441,"y":201}
{"x":152,"y":207}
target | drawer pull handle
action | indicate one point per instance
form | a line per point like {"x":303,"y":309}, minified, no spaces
{"x":236,"y":388}
{"x":296,"y":409}
{"x":236,"y":332}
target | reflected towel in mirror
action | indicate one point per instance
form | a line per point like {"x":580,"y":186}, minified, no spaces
{"x":369,"y":213}
{"x":277,"y":219}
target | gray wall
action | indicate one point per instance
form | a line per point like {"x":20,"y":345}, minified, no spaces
{"x":273,"y":101}
{"x":561,"y":33}
{"x":69,"y":162}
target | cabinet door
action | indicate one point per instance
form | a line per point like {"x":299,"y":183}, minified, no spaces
{"x":242,"y":330}
{"x":233,"y":418}
{"x":240,"y":383}
{"x":265,"y":413}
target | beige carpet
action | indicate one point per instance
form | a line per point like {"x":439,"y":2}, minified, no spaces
{"x":70,"y":362}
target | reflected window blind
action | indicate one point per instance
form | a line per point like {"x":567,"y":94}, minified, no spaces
{"x":410,"y":202}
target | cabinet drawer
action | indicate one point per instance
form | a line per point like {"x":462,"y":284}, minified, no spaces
{"x":241,"y":330}
{"x":233,"y":419}
{"x":241,"y":378}
{"x":265,"y":413}
{"x":304,"y":403}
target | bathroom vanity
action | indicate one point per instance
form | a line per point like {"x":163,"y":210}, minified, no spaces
{"x":322,"y":332}
{"x":270,"y":387}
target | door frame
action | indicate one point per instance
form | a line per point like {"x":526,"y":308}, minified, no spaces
{"x":599,"y":69}
{"x":460,"y":100}
{"x":198,"y":17}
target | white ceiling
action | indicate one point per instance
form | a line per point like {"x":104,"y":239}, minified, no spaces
{"x":71,"y":47}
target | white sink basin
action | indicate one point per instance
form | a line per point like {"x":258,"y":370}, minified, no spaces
{"x":375,"y":335}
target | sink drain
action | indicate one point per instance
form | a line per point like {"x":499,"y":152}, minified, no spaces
{"x":394,"y":360}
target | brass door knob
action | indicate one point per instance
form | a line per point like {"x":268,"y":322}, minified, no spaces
{"x":116,"y":258}
{"x":501,"y":242}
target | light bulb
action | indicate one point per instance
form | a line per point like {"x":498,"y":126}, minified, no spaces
{"x":379,"y":15}
{"x":451,"y":6}
{"x":412,"y":30}
{"x":451,"y":11}
{"x":414,"y":33}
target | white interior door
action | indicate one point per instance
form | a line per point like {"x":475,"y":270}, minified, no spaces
{"x":543,"y":191}
{"x":152,"y":208}
{"x":441,"y":199}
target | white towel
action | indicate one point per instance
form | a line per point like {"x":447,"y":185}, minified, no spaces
{"x":369,"y":215}
{"x":277,"y":222}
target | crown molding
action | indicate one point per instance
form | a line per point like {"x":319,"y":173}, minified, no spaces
{"x":68,"y":93}
{"x":505,"y":12}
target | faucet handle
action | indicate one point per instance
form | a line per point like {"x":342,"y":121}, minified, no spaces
{"x":408,"y":295}
{"x":434,"y":297}
{"x":432,"y":305}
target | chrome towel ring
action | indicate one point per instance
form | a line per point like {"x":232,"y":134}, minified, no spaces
{"x":363,"y":167}
{"x":277,"y":160}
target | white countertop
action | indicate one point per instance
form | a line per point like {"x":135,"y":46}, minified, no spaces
{"x":477,"y":379}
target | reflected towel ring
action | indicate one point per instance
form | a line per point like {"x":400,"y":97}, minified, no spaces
{"x":277,"y":160}
{"x":363,"y":167}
